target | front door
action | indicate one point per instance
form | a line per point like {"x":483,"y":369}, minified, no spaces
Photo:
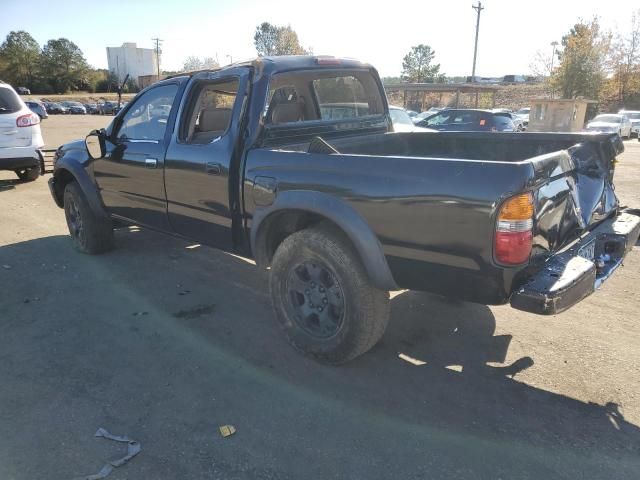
{"x":130,"y":177}
{"x":202,"y":159}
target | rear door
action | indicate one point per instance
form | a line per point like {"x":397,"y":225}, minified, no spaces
{"x":202,"y":162}
{"x":130,"y":177}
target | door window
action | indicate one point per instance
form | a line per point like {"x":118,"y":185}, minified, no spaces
{"x":209,"y":114}
{"x":147,"y":117}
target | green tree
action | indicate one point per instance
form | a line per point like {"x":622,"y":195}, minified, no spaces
{"x":582,"y":68}
{"x":273,"y":40}
{"x":64,"y":65}
{"x":19,"y":59}
{"x":418,"y":66}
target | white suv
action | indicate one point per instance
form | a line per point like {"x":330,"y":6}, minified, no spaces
{"x":20,"y":136}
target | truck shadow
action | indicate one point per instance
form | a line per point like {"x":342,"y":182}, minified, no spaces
{"x":439,"y":367}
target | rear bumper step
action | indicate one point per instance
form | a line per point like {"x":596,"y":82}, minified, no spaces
{"x":568,"y":277}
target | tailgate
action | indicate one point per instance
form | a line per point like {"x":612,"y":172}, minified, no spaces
{"x":574,"y":192}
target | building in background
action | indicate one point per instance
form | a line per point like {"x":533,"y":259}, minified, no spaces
{"x":129,"y":59}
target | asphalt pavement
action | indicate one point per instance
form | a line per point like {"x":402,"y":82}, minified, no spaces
{"x":165,"y":341}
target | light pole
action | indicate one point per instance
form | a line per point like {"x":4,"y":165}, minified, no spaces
{"x":230,"y":57}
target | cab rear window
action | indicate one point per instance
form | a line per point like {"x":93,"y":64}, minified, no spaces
{"x":9,"y":101}
{"x":323,"y":95}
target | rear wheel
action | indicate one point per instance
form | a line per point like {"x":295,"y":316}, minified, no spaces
{"x":323,"y":298}
{"x":28,"y":174}
{"x":89,"y":233}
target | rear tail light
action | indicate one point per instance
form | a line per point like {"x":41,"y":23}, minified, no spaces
{"x":28,"y":120}
{"x":514,"y":230}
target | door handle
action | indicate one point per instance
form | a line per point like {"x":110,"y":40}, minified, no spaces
{"x":151,"y":162}
{"x":214,"y":168}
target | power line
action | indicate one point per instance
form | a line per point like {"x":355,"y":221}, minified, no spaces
{"x":158,"y":42}
{"x":478,"y":8}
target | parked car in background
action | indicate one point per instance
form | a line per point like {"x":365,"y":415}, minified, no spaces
{"x":517,"y":120}
{"x":611,"y":122}
{"x":91,"y":108}
{"x":469,"y":120}
{"x":38,"y":108}
{"x":23,"y":90}
{"x":54,"y":108}
{"x":402,"y":121}
{"x":107,"y":108}
{"x":523,"y":113}
{"x":20,"y":136}
{"x":75,"y":108}
{"x":634,"y":117}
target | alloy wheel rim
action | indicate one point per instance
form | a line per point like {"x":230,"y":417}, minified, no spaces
{"x":316,"y":299}
{"x":75,"y":220}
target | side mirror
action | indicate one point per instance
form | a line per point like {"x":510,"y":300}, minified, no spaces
{"x":95,"y":143}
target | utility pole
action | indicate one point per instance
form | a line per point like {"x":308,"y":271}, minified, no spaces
{"x":478,"y":8}
{"x":554,"y":44}
{"x":158,"y":42}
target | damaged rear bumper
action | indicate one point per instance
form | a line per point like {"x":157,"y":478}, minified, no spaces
{"x":574,"y":274}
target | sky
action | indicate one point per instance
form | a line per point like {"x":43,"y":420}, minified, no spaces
{"x":511,"y":32}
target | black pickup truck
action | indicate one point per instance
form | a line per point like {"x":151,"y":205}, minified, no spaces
{"x":293,"y":161}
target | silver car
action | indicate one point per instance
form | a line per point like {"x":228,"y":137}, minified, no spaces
{"x":611,"y":122}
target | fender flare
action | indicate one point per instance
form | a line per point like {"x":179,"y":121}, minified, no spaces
{"x":344,"y":216}
{"x":88,"y":187}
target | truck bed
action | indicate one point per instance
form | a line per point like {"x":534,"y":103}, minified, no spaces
{"x":446,"y":188}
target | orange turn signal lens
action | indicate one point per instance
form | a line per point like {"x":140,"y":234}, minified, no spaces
{"x":519,"y":207}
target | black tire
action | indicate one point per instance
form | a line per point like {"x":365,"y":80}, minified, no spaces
{"x":89,"y":233}
{"x":28,"y":174}
{"x":356,"y":313}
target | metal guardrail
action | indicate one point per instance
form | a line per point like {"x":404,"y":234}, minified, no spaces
{"x":47,"y":160}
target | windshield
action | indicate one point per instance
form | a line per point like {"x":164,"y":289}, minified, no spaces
{"x":632,"y":115}
{"x":524,"y":111}
{"x":608,"y":119}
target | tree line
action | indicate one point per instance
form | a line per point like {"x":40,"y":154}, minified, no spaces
{"x":58,"y":67}
{"x":590,"y":63}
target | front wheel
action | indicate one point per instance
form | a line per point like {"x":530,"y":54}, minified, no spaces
{"x":323,"y":298}
{"x":28,"y":174}
{"x":89,"y":233}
